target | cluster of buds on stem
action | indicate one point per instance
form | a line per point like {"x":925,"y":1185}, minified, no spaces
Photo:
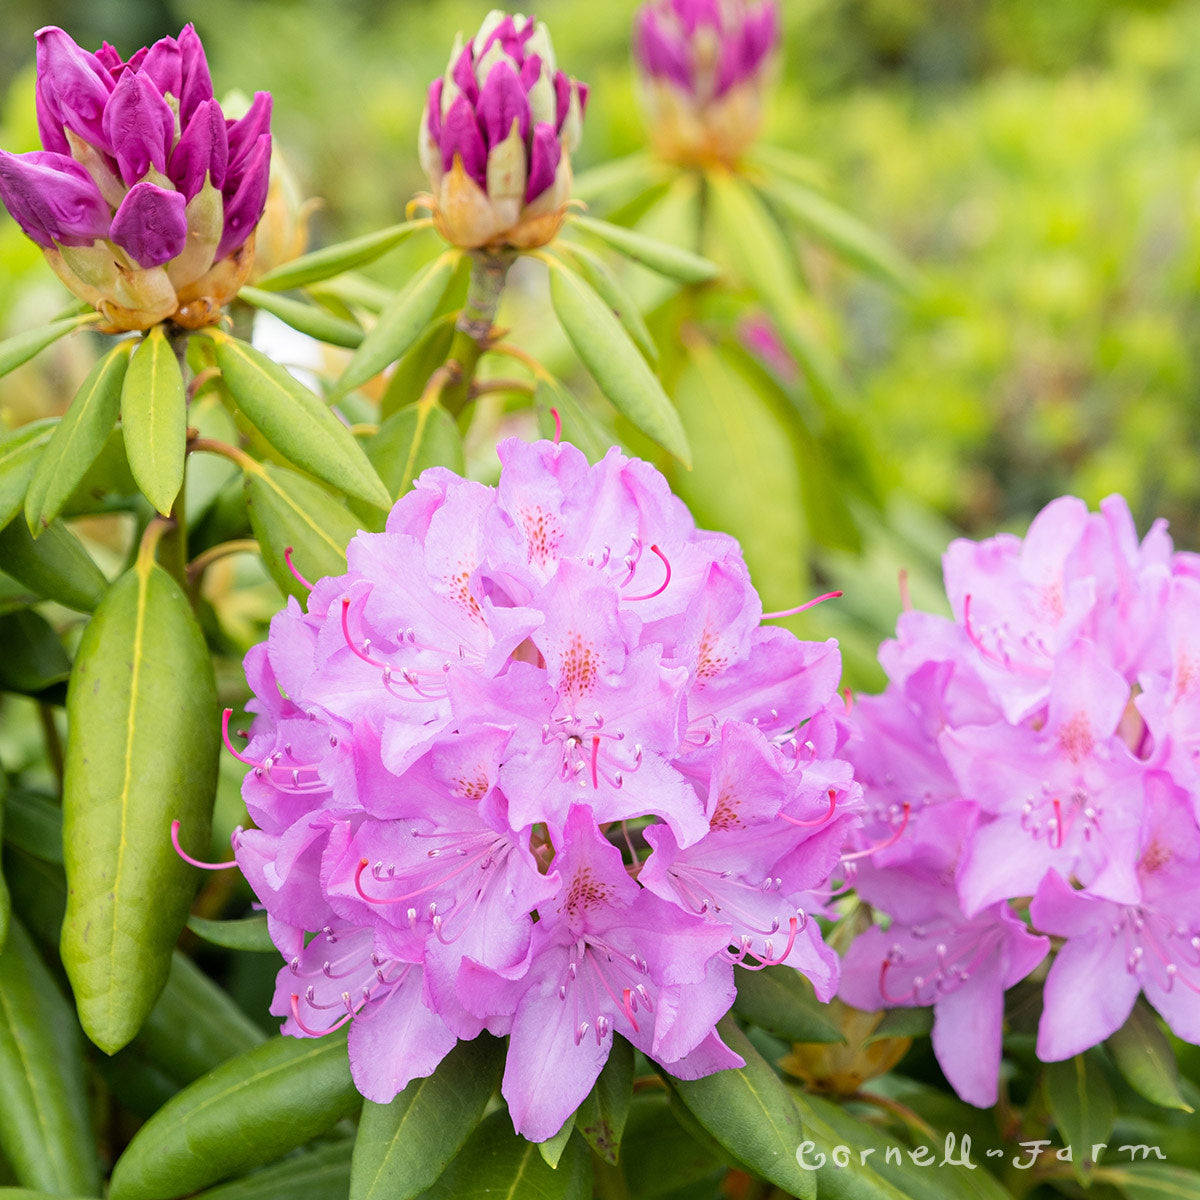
{"x":145,"y":198}
{"x":497,"y":135}
{"x":704,"y":66}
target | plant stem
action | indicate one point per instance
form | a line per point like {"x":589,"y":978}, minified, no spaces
{"x":473,"y":331}
{"x":53,"y":740}
{"x":609,"y":1181}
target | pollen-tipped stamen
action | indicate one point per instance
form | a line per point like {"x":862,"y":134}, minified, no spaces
{"x":907,"y":812}
{"x":291,"y":566}
{"x":195,"y":862}
{"x":663,"y":586}
{"x":315,"y":1032}
{"x":827,"y":816}
{"x":791,"y":612}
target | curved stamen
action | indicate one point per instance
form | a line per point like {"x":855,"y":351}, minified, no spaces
{"x":557,"y":425}
{"x":791,"y":612}
{"x":820,"y":820}
{"x":768,"y":959}
{"x":315,"y":1032}
{"x":291,"y":566}
{"x":195,"y":862}
{"x":350,"y":641}
{"x":847,"y":858}
{"x":1059,"y":832}
{"x":225,"y":715}
{"x":663,"y":586}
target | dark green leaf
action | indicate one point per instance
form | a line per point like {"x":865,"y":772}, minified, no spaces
{"x":154,"y":419}
{"x":45,"y":1126}
{"x":21,"y":347}
{"x":17,"y":1193}
{"x":404,"y":1146}
{"x":407,"y":382}
{"x":657,"y":1153}
{"x":194,"y":1026}
{"x":34,"y":823}
{"x":142,"y":708}
{"x":295,"y":421}
{"x":1154,"y":1181}
{"x":401,"y":323}
{"x":903,"y":1023}
{"x":612,"y":291}
{"x":249,"y":933}
{"x":321,"y":1174}
{"x":845,"y":233}
{"x":614,"y":361}
{"x":247,"y":1112}
{"x":419,"y":436}
{"x":335,"y":260}
{"x":495,"y":1163}
{"x":311,"y":319}
{"x":1145,"y":1059}
{"x":660,"y":257}
{"x":751,"y":1114}
{"x":1082,"y":1106}
{"x":54,"y":565}
{"x":19,"y":452}
{"x":5,"y":895}
{"x":287,"y":509}
{"x":33,"y":658}
{"x":78,"y":438}
{"x":782,"y":1001}
{"x":601,"y":1117}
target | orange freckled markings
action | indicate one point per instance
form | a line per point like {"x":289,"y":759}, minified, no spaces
{"x":1075,"y":738}
{"x":472,"y":789}
{"x":709,"y":663}
{"x":543,"y":531}
{"x":460,"y":592}
{"x":1051,"y":602}
{"x":726,"y":815}
{"x":1156,"y":855}
{"x":579,"y":666}
{"x":1187,"y":670}
{"x":585,"y":892}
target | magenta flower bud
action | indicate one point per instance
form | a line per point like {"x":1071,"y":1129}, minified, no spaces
{"x":497,"y":136}
{"x":704,"y":67}
{"x":145,"y":198}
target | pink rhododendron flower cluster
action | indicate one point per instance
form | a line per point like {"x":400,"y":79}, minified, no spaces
{"x":533,"y":765}
{"x":1044,"y":743}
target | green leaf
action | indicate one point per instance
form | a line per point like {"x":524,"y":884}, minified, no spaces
{"x":34,"y":823}
{"x":614,"y":361}
{"x":419,"y":436}
{"x":403,"y":1147}
{"x":407,"y":382}
{"x":311,"y":319}
{"x":611,"y":183}
{"x":1082,"y":1106}
{"x":753,"y":241}
{"x":17,"y":1193}
{"x":321,"y":1174}
{"x":903,"y":1023}
{"x":54,"y":565}
{"x":751,"y":1114}
{"x":287,"y":509}
{"x":78,"y":438}
{"x":19,"y":452}
{"x":195,"y":1025}
{"x":580,"y":427}
{"x":5,"y":895}
{"x":612,"y":291}
{"x":1154,"y":1181}
{"x":401,"y":323}
{"x":660,"y":257}
{"x":552,"y":1148}
{"x":781,"y":1001}
{"x":295,"y":421}
{"x":845,"y":233}
{"x":142,"y":708}
{"x":45,"y":1125}
{"x":247,"y":1112}
{"x":744,"y":475}
{"x":657,"y":1154}
{"x":33,"y":658}
{"x":21,"y":347}
{"x":154,"y":419}
{"x":249,"y":933}
{"x":496,"y":1164}
{"x":336,"y":260}
{"x":601,"y":1117}
{"x":1143,"y":1055}
{"x":852,"y":1160}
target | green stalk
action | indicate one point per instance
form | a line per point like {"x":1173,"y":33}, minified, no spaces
{"x":473,"y":331}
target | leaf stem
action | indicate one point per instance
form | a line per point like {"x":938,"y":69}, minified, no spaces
{"x":53,"y":740}
{"x":474,"y":330}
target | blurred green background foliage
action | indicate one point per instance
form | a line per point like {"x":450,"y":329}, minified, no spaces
{"x":1038,"y":162}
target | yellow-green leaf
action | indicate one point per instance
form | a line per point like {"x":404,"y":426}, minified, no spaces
{"x":154,"y":418}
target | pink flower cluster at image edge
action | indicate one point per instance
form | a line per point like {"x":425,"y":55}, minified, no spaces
{"x":534,"y":766}
{"x":1045,"y":742}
